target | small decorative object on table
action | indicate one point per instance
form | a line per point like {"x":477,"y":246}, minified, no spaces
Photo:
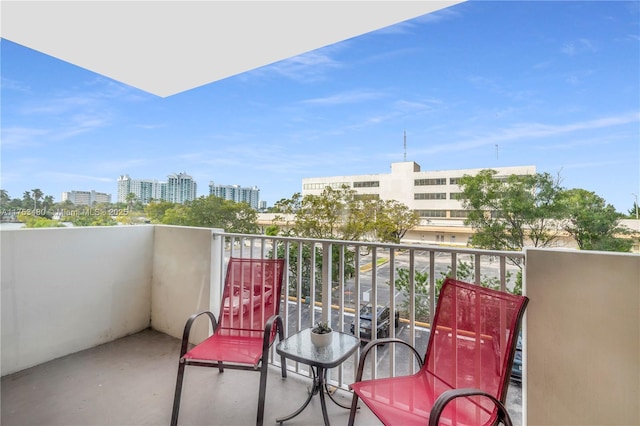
{"x":321,"y":334}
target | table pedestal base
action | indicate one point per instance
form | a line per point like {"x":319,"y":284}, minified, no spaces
{"x":319,"y":387}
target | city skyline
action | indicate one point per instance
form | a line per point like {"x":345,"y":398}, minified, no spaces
{"x":476,"y":85}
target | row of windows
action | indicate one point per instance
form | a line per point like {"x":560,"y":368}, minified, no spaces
{"x":367,"y":184}
{"x":459,"y":214}
{"x":430,"y":196}
{"x":436,"y":181}
{"x":452,"y":181}
{"x":332,"y":185}
{"x":367,"y":196}
{"x":437,"y":196}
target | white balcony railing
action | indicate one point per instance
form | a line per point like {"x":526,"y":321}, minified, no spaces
{"x":350,"y":274}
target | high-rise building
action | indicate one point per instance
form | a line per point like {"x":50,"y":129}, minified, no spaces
{"x":145,"y":190}
{"x":180,"y":188}
{"x":249,"y":195}
{"x":86,"y":198}
{"x":433,"y":194}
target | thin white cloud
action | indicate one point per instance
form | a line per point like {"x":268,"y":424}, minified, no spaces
{"x":55,"y":106}
{"x":15,"y":85}
{"x":579,"y":46}
{"x":349,"y":97}
{"x":527,"y":131}
{"x":14,"y":137}
{"x":407,"y":27}
{"x":305,"y":68}
{"x":75,"y":177}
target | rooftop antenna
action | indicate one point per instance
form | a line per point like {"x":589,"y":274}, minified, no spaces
{"x":405,"y":145}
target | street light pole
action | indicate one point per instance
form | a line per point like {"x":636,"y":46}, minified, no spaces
{"x":636,"y":197}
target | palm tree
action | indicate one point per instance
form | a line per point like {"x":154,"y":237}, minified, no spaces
{"x":26,"y":200}
{"x":37,"y":194}
{"x":4,"y":196}
{"x":131,"y":198}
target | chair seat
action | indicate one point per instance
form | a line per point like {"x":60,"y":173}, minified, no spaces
{"x":407,"y":401}
{"x":241,"y":348}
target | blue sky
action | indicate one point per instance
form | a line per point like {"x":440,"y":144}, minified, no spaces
{"x":553,"y":84}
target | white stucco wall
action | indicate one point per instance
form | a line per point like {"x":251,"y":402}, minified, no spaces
{"x":68,"y":289}
{"x":185,"y":267}
{"x":582,"y":345}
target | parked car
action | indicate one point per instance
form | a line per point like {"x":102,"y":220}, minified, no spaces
{"x":383,"y":322}
{"x":516,"y":369}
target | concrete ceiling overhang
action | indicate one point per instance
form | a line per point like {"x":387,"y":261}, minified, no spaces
{"x":167,"y":47}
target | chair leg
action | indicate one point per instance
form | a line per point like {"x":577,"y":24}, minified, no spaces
{"x":262,"y":393}
{"x":354,"y":407}
{"x":178,"y":393}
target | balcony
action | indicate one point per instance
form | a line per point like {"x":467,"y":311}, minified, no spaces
{"x":91,"y":319}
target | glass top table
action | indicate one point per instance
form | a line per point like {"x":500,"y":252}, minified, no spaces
{"x":298,"y":347}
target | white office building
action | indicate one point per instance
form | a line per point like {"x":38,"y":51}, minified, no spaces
{"x":433,"y":194}
{"x":249,"y":195}
{"x":86,"y":198}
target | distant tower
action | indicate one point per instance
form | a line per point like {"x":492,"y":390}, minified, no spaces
{"x":405,"y":145}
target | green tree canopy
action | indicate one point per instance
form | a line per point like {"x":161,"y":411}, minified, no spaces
{"x":208,"y":212}
{"x":508,"y":213}
{"x":393,"y":219}
{"x":594,"y":224}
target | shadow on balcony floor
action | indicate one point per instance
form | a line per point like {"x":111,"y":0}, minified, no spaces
{"x":131,"y":381}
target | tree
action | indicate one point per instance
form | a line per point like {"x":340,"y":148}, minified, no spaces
{"x":130,"y":199}
{"x":32,"y":221}
{"x":27,"y":201}
{"x":508,"y":213}
{"x":4,"y":197}
{"x":48,"y":201}
{"x":37,"y":194}
{"x":594,"y":224}
{"x":393,"y":219}
{"x":156,"y":210}
{"x":208,"y":212}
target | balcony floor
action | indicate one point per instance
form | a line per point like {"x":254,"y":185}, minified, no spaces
{"x":131,"y":381}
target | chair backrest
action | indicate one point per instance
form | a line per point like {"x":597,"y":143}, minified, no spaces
{"x":473,"y":337}
{"x":251,"y":294}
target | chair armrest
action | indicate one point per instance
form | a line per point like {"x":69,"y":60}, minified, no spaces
{"x":450,"y":395}
{"x":187,"y":328}
{"x":378,"y":342}
{"x":266,"y":340}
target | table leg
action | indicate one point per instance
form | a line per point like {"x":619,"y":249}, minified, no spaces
{"x":321,"y":388}
{"x":326,"y":388}
{"x":312,"y":391}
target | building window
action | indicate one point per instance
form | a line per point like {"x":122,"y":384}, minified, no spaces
{"x":459,"y":213}
{"x":430,"y":196}
{"x":366,"y":196}
{"x":424,"y":182}
{"x":367,"y":184}
{"x":322,"y":186}
{"x":432,"y":213}
{"x":455,"y":196}
{"x":454,"y":181}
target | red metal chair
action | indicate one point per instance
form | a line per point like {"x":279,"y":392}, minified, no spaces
{"x":464,"y":377}
{"x":248,"y":323}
